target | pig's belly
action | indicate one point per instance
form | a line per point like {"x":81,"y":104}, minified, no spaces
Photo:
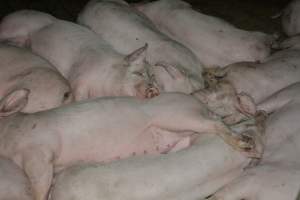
{"x":106,"y":149}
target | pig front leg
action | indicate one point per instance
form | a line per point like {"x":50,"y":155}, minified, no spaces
{"x":245,"y":143}
{"x":37,"y":164}
{"x":169,"y":141}
{"x":254,"y":128}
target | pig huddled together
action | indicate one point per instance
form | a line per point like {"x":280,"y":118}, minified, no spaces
{"x":169,"y":104}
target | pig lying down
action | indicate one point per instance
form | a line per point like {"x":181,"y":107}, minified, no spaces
{"x":281,"y":98}
{"x":176,"y":68}
{"x":291,"y":18}
{"x":290,"y":43}
{"x":224,"y":100}
{"x":214,"y":41}
{"x":91,"y":65}
{"x":13,"y":182}
{"x":44,"y":142}
{"x":20,"y":69}
{"x":190,"y":174}
{"x":173,"y":69}
{"x":260,"y":80}
{"x":277,"y":177}
{"x":15,"y":29}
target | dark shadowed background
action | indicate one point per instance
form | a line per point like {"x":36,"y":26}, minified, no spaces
{"x":246,"y":14}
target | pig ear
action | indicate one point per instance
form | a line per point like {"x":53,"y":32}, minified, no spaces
{"x":137,"y":57}
{"x":14,"y":102}
{"x":246,"y":104}
{"x":173,"y":71}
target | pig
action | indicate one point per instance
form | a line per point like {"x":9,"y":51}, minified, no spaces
{"x":92,"y":66}
{"x":290,"y":43}
{"x":176,"y":68}
{"x":14,"y":184}
{"x":172,"y":71}
{"x":14,"y":27}
{"x":46,"y":142}
{"x":214,"y":41}
{"x":189,"y":174}
{"x":281,"y":98}
{"x":277,"y":176}
{"x":21,"y":69}
{"x":290,"y":19}
{"x":259,"y":80}
{"x":224,"y":100}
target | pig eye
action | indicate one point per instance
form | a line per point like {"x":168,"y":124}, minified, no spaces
{"x":66,"y":96}
{"x":138,"y":73}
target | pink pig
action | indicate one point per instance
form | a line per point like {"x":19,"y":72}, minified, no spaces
{"x":106,"y":129}
{"x":21,"y":69}
{"x":92,"y":66}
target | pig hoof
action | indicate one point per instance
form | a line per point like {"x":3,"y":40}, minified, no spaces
{"x":152,"y":92}
{"x":261,"y":116}
{"x":246,"y":144}
{"x":250,"y":146}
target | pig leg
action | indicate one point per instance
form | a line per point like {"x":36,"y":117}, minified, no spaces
{"x":168,"y":141}
{"x":254,"y":127}
{"x":37,"y":164}
{"x":245,"y":143}
{"x":182,"y":144}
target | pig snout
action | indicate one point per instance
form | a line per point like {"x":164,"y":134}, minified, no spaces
{"x":152,"y":91}
{"x":147,"y":91}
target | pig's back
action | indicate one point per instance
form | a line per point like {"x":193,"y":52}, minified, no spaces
{"x":110,"y":19}
{"x":63,"y":43}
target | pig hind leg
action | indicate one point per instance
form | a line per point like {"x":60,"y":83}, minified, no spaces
{"x":245,"y":143}
{"x":169,"y":141}
{"x":37,"y":164}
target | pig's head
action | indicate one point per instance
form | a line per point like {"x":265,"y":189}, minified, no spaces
{"x":223,"y":100}
{"x":48,"y":89}
{"x":139,"y":80}
{"x":172,"y":79}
